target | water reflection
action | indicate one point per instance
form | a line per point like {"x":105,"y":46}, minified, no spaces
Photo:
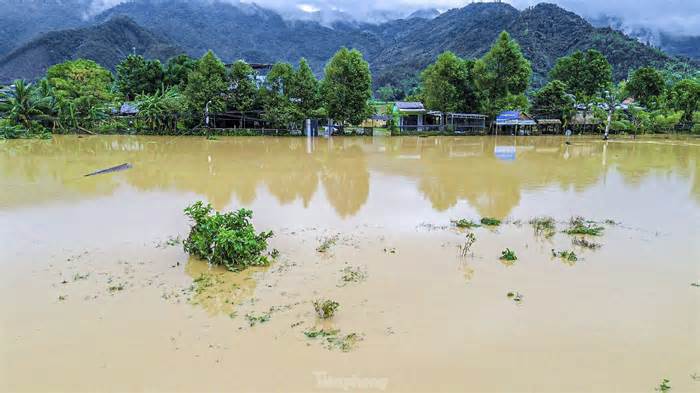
{"x":219,"y":291}
{"x":445,"y":170}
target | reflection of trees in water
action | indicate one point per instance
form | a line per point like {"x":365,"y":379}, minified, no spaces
{"x":345,"y":178}
{"x":446,"y":169}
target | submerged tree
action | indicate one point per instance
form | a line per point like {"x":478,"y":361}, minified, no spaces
{"x":586,"y":74}
{"x":347,"y":87}
{"x":447,"y":85}
{"x":502,"y":75}
{"x":280,"y":111}
{"x":646,"y":85}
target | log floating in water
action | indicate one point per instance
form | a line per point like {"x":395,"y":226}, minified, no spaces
{"x":117,"y":168}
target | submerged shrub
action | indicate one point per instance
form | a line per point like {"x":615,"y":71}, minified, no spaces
{"x":581,"y":226}
{"x":508,"y":255}
{"x":325,"y":308}
{"x":227,"y":239}
{"x":464,"y":223}
{"x":566,"y":256}
{"x":544,"y":226}
{"x":490,"y":221}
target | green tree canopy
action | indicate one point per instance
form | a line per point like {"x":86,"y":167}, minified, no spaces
{"x":177,"y":70}
{"x":685,"y":97}
{"x":303,"y":90}
{"x":646,"y":84}
{"x":347,"y":87}
{"x":502,"y":73}
{"x":80,"y":87}
{"x":586,"y":74}
{"x":243,"y":87}
{"x":279,"y":110}
{"x":447,"y":85}
{"x":207,"y":84}
{"x":552,"y":101}
{"x":136,"y":75}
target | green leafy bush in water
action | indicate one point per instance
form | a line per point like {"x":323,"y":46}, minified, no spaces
{"x":490,"y":221}
{"x":545,"y":226}
{"x":325,"y":308}
{"x":508,"y":255}
{"x":566,"y":256}
{"x":464,"y":223}
{"x":227,"y":239}
{"x":580,"y":226}
{"x":663,"y":386}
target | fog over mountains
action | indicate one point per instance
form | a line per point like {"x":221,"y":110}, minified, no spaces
{"x":398,"y":41}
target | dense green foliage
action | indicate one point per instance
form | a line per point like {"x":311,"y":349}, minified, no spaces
{"x":586,"y":74}
{"x":227,"y":239}
{"x":206,"y":84}
{"x":685,"y":97}
{"x":552,"y":101}
{"x":502,"y":75}
{"x":646,"y":85}
{"x":448,"y":86}
{"x":136,"y":75}
{"x":347,"y":87}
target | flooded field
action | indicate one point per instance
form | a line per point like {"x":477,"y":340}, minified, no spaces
{"x":97,"y":294}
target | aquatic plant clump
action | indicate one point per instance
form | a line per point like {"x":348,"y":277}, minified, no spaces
{"x":464,"y":223}
{"x":583,"y":243}
{"x":333,"y":339}
{"x":543,"y":226}
{"x":227,"y":239}
{"x":490,"y":221}
{"x":325,"y":308}
{"x":581,"y":226}
{"x":566,"y":256}
{"x":508,"y":255}
{"x":469,"y":241}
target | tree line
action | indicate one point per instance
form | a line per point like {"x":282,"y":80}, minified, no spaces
{"x":174,"y":97}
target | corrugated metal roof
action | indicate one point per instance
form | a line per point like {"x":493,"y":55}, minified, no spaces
{"x":410,"y":106}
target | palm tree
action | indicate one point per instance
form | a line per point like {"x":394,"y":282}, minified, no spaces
{"x":22,"y":105}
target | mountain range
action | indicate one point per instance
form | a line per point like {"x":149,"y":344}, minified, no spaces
{"x":396,"y":50}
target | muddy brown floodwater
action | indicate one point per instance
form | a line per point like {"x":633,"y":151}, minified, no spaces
{"x":96,"y":293}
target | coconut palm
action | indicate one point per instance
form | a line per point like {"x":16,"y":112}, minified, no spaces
{"x":23,"y":105}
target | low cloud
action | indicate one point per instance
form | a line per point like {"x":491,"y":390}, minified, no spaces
{"x":677,"y":17}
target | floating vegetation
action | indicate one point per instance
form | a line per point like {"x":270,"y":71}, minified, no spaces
{"x":327,"y":243}
{"x":695,"y":284}
{"x":254,"y":319}
{"x":465,"y":224}
{"x":352,"y":274}
{"x":508,"y":255}
{"x":325,"y":308}
{"x":609,"y":221}
{"x":78,"y":276}
{"x":170,"y":242}
{"x":468,"y":243}
{"x":205,"y":281}
{"x":334,"y":340}
{"x":663,"y":386}
{"x":62,"y":298}
{"x":581,"y":226}
{"x":566,"y":256}
{"x":227,"y":239}
{"x":544,"y":226}
{"x":582,"y":242}
{"x":490,"y":221}
{"x":116,"y":288}
{"x":390,"y":250}
{"x":515,"y":296}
